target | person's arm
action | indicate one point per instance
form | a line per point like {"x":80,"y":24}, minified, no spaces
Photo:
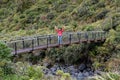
{"x":56,"y":28}
{"x":63,"y":28}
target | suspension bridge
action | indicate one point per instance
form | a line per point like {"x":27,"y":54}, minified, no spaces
{"x":25,"y":45}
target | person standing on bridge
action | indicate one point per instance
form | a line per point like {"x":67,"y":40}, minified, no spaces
{"x":59,"y":33}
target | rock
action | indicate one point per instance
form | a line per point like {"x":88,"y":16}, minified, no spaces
{"x":76,"y":74}
{"x":46,"y":64}
{"x":53,"y":69}
{"x":86,"y":74}
{"x":80,"y":74}
{"x":91,"y":73}
{"x":45,"y":71}
{"x":88,"y":69}
{"x":97,"y":72}
{"x":82,"y":67}
{"x":71,"y":69}
{"x":55,"y":66}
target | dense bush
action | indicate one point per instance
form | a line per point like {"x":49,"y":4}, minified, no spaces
{"x":63,"y":76}
{"x":106,"y":76}
{"x":73,"y":53}
{"x":5,"y":52}
{"x":24,"y":71}
{"x":56,"y":54}
{"x":101,"y":14}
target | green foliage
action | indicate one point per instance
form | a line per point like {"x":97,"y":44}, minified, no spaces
{"x":56,"y":54}
{"x":5,"y":52}
{"x":1,"y":73}
{"x":106,"y":76}
{"x":5,"y":68}
{"x":59,"y":72}
{"x":88,"y":28}
{"x":73,"y":53}
{"x":28,"y":17}
{"x":21,"y":14}
{"x":23,"y":71}
{"x":117,"y":2}
{"x":101,"y":14}
{"x":69,"y":55}
{"x":34,"y":73}
{"x":96,"y":65}
{"x":63,"y":76}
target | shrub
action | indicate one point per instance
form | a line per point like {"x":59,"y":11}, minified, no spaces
{"x":4,"y":1}
{"x":101,"y":14}
{"x":72,"y":53}
{"x":1,"y":73}
{"x":27,"y":71}
{"x":100,"y":5}
{"x":7,"y":68}
{"x":105,"y":76}
{"x":83,"y":11}
{"x":63,"y":76}
{"x":107,"y":24}
{"x":56,"y":54}
{"x":50,"y":16}
{"x":62,"y":8}
{"x":88,"y":28}
{"x":117,"y":2}
{"x":59,"y":72}
{"x":5,"y":52}
{"x":34,"y":72}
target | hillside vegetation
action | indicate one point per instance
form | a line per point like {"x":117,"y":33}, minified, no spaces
{"x":39,"y":16}
{"x":35,"y":17}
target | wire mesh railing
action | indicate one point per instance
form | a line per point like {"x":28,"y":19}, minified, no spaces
{"x":49,"y":40}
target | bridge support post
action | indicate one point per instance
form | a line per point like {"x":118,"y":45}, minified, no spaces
{"x":86,"y":36}
{"x":32,"y":44}
{"x":79,"y":36}
{"x":23,"y":43}
{"x":47,"y":42}
{"x":49,"y":39}
{"x":93,"y":36}
{"x":15,"y":44}
{"x":101,"y":36}
{"x":38,"y":41}
{"x":70,"y":38}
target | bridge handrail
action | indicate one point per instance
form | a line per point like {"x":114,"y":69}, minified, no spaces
{"x":47,"y":40}
{"x":46,"y":36}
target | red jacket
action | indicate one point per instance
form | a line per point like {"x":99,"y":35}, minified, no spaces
{"x":59,"y":32}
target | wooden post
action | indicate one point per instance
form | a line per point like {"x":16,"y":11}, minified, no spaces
{"x":86,"y":36}
{"x":92,"y":35}
{"x":5,"y":42}
{"x":79,"y":36}
{"x":47,"y":42}
{"x":32,"y":44}
{"x":38,"y":41}
{"x":95,"y":36}
{"x":104,"y":34}
{"x":98,"y":36}
{"x":15,"y":45}
{"x":23,"y":43}
{"x":70,"y":38}
{"x":49,"y":39}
